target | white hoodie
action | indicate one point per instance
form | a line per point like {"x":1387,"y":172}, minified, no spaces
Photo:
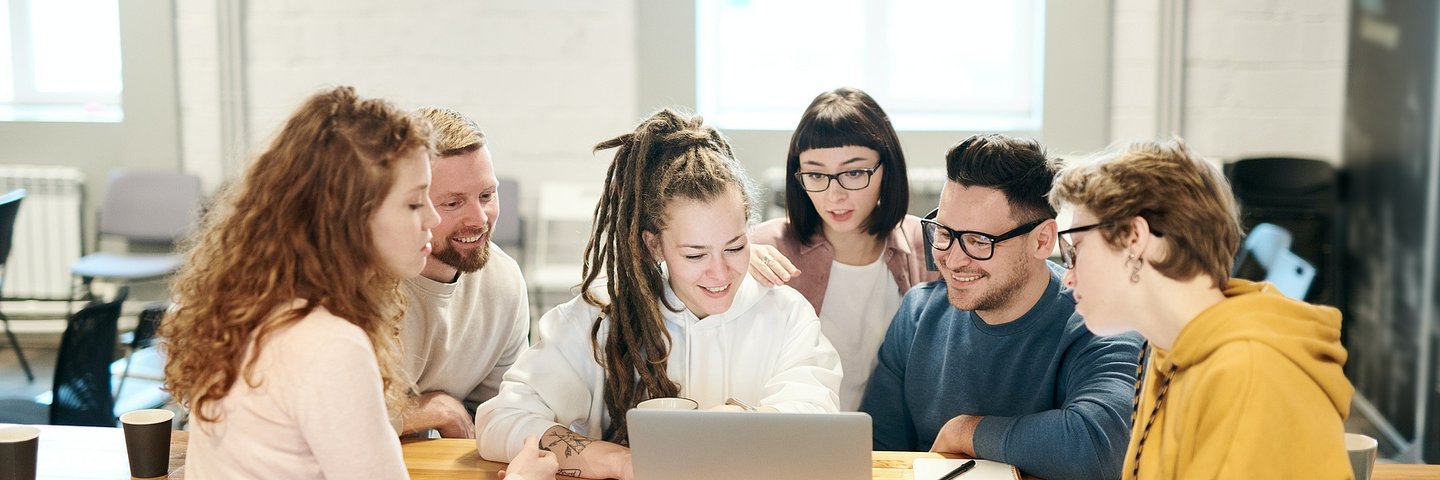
{"x":766,"y":350}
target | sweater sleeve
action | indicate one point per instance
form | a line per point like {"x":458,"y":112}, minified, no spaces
{"x":337,"y":400}
{"x":1087,"y":436}
{"x":891,"y":425}
{"x":550,"y":384}
{"x":807,"y":375}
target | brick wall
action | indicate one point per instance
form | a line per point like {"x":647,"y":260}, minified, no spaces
{"x":545,"y":79}
{"x":1261,"y":76}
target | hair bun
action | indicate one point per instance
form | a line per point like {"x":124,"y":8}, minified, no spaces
{"x":689,"y":138}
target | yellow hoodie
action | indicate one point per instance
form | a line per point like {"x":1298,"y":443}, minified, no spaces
{"x":1257,"y":391}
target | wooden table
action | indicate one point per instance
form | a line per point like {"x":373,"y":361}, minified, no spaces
{"x":99,"y":453}
{"x":452,"y":458}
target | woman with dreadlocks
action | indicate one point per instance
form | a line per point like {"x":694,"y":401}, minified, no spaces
{"x":666,"y":310}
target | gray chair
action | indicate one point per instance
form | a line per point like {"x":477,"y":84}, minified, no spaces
{"x":149,"y":211}
{"x":9,"y":209}
{"x":509,"y":233}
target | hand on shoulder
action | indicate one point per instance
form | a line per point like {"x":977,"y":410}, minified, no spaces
{"x":769,"y":267}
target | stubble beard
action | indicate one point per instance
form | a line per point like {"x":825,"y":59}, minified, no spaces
{"x":996,"y":297}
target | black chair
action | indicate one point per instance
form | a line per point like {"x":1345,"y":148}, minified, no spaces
{"x":9,"y":209}
{"x":82,"y":369}
{"x":81,"y":392}
{"x":1303,"y":197}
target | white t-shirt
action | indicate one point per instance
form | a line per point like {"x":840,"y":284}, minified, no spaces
{"x":317,"y":412}
{"x":766,"y":350}
{"x":860,"y":301}
{"x":461,"y":337}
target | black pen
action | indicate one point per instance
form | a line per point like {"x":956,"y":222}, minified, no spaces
{"x":958,"y":471}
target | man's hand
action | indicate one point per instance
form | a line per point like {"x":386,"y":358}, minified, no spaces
{"x":957,"y":436}
{"x":442,"y":412}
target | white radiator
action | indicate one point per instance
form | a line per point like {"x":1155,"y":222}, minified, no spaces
{"x":48,"y":235}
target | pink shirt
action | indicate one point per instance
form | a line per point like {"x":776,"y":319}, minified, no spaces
{"x":904,"y":256}
{"x":319,"y":411}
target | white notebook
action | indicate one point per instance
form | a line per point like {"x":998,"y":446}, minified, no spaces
{"x":934,"y":468}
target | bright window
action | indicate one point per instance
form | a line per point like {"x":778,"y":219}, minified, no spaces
{"x":60,"y":60}
{"x":953,"y":65}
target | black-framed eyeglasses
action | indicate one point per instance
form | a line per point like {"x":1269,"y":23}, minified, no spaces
{"x":850,"y":179}
{"x":978,"y":245}
{"x":1067,"y":248}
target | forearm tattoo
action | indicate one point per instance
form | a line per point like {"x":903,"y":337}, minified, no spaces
{"x":564,"y":442}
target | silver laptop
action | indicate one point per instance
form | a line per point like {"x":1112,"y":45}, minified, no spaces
{"x":705,"y":445}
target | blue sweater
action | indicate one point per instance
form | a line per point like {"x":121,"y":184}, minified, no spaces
{"x":1056,"y":399}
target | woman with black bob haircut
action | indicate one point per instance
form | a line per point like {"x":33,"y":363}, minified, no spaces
{"x":846,"y":194}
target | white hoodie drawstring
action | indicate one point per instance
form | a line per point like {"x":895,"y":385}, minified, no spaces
{"x":724,"y":361}
{"x":689,"y":361}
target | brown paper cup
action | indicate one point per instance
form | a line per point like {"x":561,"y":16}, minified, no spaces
{"x":19,"y":447}
{"x":1361,"y":449}
{"x":147,"y":441}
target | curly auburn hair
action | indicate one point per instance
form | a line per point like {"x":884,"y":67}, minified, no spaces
{"x":296,"y":226}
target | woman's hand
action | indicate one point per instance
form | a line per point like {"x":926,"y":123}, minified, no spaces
{"x":531,"y":464}
{"x":585,"y":457}
{"x":769,"y":267}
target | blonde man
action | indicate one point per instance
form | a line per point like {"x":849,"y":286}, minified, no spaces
{"x":467,"y":316}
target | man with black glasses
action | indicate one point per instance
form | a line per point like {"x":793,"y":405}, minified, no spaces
{"x":992,"y":361}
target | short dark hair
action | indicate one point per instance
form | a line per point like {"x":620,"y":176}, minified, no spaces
{"x":847,"y":117}
{"x":1015,"y":166}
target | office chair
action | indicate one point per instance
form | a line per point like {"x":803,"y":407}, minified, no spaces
{"x":145,"y":209}
{"x":81,"y":395}
{"x":9,"y":209}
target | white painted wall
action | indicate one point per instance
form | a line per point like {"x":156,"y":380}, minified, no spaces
{"x":149,"y":136}
{"x":544,"y":80}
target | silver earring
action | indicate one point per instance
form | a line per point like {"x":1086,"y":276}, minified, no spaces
{"x":1134,"y":265}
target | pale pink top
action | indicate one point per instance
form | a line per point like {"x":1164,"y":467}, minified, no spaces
{"x":318,"y":411}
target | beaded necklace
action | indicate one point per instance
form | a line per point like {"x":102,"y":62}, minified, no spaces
{"x":1168,"y":375}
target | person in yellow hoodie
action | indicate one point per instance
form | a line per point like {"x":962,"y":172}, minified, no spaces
{"x":1240,"y":381}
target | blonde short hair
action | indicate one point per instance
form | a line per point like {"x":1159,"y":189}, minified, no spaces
{"x":454,"y":133}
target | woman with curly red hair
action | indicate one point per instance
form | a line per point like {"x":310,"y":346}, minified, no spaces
{"x":284,"y":343}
